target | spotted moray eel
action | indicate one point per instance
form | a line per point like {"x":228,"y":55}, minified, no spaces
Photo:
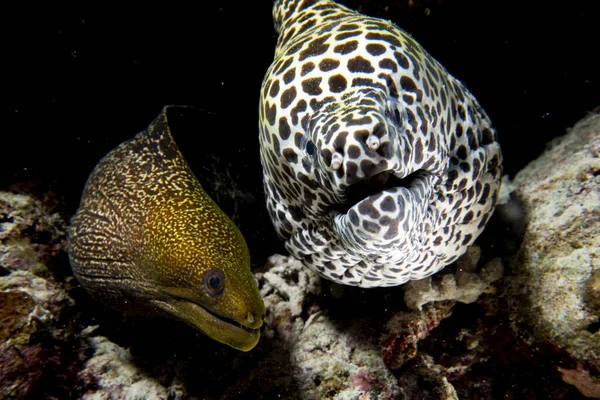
{"x":379,"y":166}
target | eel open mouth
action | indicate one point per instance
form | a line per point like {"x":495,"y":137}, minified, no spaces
{"x":371,"y":185}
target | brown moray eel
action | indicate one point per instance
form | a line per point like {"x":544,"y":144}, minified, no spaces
{"x":148,"y":239}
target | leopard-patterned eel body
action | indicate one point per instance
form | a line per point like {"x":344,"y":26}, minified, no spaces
{"x":379,"y":166}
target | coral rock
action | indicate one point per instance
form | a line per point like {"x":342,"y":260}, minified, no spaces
{"x":30,"y":300}
{"x":465,"y":286}
{"x":112,"y":374}
{"x":406,"y":329}
{"x":555,"y":287}
{"x":327,"y":360}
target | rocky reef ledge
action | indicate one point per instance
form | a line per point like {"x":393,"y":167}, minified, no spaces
{"x":555,"y":289}
{"x":517,"y":317}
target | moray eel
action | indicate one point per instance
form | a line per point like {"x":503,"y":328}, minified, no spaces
{"x":148,"y":239}
{"x":379,"y":166}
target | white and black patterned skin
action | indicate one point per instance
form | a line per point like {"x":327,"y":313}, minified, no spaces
{"x":379,"y":166}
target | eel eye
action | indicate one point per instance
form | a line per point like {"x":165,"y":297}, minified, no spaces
{"x":214,"y":282}
{"x":394,"y":113}
{"x":397,"y":116}
{"x":310,"y":147}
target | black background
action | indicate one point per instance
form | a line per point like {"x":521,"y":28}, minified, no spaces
{"x":77,"y":81}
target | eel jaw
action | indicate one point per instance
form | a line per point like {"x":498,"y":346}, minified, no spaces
{"x":217,"y":327}
{"x":371,"y":185}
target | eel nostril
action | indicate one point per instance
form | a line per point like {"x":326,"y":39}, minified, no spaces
{"x":310,"y":147}
{"x":336,"y":161}
{"x":373,"y":142}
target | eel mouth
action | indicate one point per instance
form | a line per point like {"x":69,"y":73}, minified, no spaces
{"x":227,"y":320}
{"x":371,"y":185}
{"x":216,"y":326}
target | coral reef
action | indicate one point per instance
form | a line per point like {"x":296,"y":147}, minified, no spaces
{"x":111,"y":374}
{"x":555,"y":285}
{"x":285,"y":287}
{"x":31,"y":301}
{"x":425,"y":379}
{"x":523,"y":326}
{"x":406,"y":329}
{"x":330,"y":360}
{"x":466,"y":285}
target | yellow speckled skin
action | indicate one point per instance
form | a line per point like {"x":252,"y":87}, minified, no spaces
{"x":146,"y":233}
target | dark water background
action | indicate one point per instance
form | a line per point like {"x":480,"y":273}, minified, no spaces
{"x":81,"y":80}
